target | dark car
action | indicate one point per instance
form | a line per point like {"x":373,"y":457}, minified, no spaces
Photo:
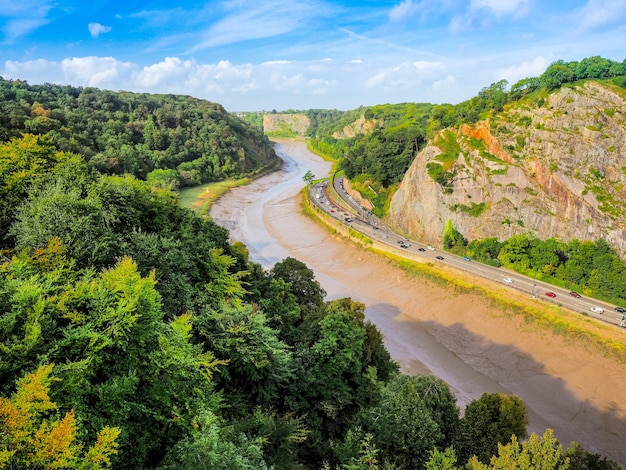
{"x":439,"y":257}
{"x":421,"y":249}
{"x":551,"y":294}
{"x":620,"y":309}
{"x":575,"y":294}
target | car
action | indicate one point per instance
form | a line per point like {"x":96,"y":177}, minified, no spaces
{"x":597,"y":310}
{"x":620,"y":309}
{"x":421,"y":249}
{"x":400,"y":242}
{"x":466,"y":258}
{"x":551,"y":294}
{"x":575,"y":294}
{"x":508,"y":280}
{"x":404,"y":245}
{"x":430,"y":248}
{"x":439,"y":257}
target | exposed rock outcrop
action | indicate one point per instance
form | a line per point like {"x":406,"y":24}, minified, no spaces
{"x":296,"y":124}
{"x":555,"y":167}
{"x":360,"y":126}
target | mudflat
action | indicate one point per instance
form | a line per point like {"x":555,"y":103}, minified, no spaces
{"x":463,"y":338}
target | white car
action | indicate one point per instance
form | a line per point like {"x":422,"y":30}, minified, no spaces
{"x":508,"y":280}
{"x":597,"y":310}
{"x":430,"y":248}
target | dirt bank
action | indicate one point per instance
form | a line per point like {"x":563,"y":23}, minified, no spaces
{"x":461,"y":338}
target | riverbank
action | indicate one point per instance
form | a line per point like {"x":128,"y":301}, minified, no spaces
{"x":476,"y":346}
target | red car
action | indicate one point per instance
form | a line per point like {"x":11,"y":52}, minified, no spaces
{"x":550,"y":294}
{"x":575,"y":294}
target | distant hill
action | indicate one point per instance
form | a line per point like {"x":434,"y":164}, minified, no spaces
{"x":191,"y":140}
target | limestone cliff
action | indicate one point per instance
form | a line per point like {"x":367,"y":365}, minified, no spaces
{"x":360,"y":126}
{"x":554,"y":167}
{"x":286,"y":125}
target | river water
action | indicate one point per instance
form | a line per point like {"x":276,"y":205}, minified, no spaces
{"x":428,"y":328}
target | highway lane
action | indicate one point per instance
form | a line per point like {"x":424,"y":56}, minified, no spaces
{"x":340,"y":205}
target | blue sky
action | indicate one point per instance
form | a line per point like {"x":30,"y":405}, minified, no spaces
{"x":279,"y":54}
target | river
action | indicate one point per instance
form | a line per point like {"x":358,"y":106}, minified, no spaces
{"x":428,"y":328}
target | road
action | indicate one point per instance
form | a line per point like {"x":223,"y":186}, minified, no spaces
{"x":340,"y":205}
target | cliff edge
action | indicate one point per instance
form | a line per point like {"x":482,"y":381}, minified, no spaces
{"x":554,"y":166}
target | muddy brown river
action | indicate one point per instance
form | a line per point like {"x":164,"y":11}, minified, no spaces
{"x":470,"y":344}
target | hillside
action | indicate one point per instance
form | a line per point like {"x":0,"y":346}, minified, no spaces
{"x":553,"y":166}
{"x":190,"y":141}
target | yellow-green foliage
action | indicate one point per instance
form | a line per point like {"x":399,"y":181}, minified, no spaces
{"x":449,"y":146}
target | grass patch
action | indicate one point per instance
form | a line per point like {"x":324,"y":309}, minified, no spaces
{"x":200,"y":198}
{"x":449,"y":146}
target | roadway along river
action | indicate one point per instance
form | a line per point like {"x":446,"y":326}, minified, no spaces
{"x":461,"y":338}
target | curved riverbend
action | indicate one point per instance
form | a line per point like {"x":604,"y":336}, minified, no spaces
{"x":459,"y":337}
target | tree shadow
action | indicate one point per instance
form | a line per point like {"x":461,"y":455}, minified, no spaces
{"x":472,"y":365}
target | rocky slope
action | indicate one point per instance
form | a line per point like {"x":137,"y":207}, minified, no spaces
{"x":286,"y":124}
{"x":554,"y":166}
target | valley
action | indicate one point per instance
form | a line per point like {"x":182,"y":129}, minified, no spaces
{"x":465,"y":339}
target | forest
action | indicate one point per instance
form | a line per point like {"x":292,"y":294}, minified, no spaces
{"x":173,"y":140}
{"x":134,"y":335}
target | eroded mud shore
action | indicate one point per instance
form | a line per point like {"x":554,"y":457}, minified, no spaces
{"x":461,"y":338}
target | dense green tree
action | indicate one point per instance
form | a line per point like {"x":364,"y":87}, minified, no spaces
{"x":488,"y":421}
{"x":209,"y":447}
{"x":302,"y":283}
{"x":580,"y":459}
{"x":515,"y":252}
{"x":403,"y":428}
{"x":308,"y":177}
{"x":259,"y":365}
{"x":453,"y":240}
{"x":556,"y":75}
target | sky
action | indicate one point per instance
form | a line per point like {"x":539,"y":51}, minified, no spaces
{"x":262,"y":55}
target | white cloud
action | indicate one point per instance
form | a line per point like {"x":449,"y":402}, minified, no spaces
{"x":445,"y":84}
{"x":356,"y":61}
{"x":528,"y":68}
{"x":245,"y":21}
{"x":500,"y":7}
{"x":36,"y":71}
{"x":100,"y":72}
{"x":597,"y":14}
{"x":402,"y":11}
{"x":22,"y":17}
{"x":96,"y":29}
{"x":426,"y":65}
